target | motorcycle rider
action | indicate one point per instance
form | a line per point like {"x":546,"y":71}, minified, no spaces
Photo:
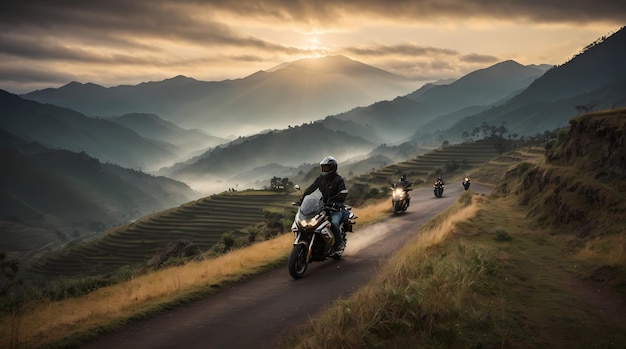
{"x":334,"y":192}
{"x":439,"y":181}
{"x":402,"y":182}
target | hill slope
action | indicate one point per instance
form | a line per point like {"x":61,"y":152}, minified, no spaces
{"x":71,"y":194}
{"x":187,"y":142}
{"x":404,"y":116}
{"x":63,"y":128}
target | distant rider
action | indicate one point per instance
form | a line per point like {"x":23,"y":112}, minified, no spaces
{"x":334,"y":192}
{"x":439,"y":181}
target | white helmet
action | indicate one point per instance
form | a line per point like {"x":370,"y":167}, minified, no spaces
{"x":329,"y":165}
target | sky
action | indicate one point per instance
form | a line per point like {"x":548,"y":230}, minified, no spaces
{"x":49,"y":43}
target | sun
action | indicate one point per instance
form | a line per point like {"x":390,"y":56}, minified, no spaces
{"x":312,"y":48}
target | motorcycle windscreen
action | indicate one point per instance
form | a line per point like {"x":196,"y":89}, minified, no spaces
{"x":311,"y":205}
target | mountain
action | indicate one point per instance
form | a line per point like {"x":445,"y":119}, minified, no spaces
{"x":290,"y":94}
{"x":290,"y":147}
{"x":188,"y":142}
{"x":74,"y":194}
{"x":402,"y":117}
{"x":57,"y":127}
{"x":595,"y":79}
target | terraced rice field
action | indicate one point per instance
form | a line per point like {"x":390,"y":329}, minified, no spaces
{"x":203,"y":221}
{"x":423,"y":167}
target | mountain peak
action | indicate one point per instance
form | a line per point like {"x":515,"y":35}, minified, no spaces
{"x":336,"y":64}
{"x":79,"y":86}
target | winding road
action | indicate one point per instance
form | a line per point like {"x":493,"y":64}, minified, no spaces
{"x":258,"y":311}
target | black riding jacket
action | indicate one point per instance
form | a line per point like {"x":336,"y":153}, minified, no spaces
{"x":332,"y":187}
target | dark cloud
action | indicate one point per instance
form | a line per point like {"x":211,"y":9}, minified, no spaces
{"x":131,"y":23}
{"x":327,"y":11}
{"x":181,"y":18}
{"x":404,"y":49}
{"x":32,"y":74}
{"x":476,"y":58}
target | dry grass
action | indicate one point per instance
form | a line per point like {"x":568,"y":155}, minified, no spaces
{"x":482,"y":276}
{"x":112,"y":305}
{"x":606,"y":250}
{"x":395,"y":299}
{"x":373,"y":212}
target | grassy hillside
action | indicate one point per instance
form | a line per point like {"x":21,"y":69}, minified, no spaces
{"x":540,"y":263}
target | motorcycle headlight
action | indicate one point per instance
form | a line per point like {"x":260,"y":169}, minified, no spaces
{"x":307,"y":224}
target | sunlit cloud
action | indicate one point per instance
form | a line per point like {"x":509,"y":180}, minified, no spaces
{"x":118,"y":41}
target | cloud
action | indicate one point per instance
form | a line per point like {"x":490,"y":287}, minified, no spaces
{"x":402,"y":49}
{"x":476,"y":58}
{"x":103,"y":39}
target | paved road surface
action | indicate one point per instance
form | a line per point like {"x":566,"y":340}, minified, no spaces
{"x":254,"y":313}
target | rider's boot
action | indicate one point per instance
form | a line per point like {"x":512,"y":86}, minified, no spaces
{"x":339,"y":245}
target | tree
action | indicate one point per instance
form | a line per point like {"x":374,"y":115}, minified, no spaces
{"x":280,"y":184}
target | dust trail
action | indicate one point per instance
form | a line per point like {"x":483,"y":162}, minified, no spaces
{"x":367,"y":236}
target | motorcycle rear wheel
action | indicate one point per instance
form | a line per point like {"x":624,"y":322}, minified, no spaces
{"x":297,"y":261}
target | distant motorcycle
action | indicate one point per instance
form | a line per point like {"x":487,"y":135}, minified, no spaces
{"x":438,"y":189}
{"x":313,"y":237}
{"x":466,"y":183}
{"x":400,"y":197}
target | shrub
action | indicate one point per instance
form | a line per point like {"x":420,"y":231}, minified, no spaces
{"x":502,"y":235}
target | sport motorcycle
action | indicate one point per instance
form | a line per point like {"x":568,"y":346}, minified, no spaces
{"x":466,"y":183}
{"x":400,"y":197}
{"x":438,"y":189}
{"x":313,"y":236}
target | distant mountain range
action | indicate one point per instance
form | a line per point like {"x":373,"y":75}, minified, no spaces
{"x":290,"y":94}
{"x":401,"y":118}
{"x":187,"y":143}
{"x":134,"y":141}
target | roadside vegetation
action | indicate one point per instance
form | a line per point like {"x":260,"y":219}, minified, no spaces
{"x":480,"y":276}
{"x":451,"y":277}
{"x":540,"y":263}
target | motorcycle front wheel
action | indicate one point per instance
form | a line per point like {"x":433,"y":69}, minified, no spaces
{"x":394,"y":205}
{"x":297,"y":261}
